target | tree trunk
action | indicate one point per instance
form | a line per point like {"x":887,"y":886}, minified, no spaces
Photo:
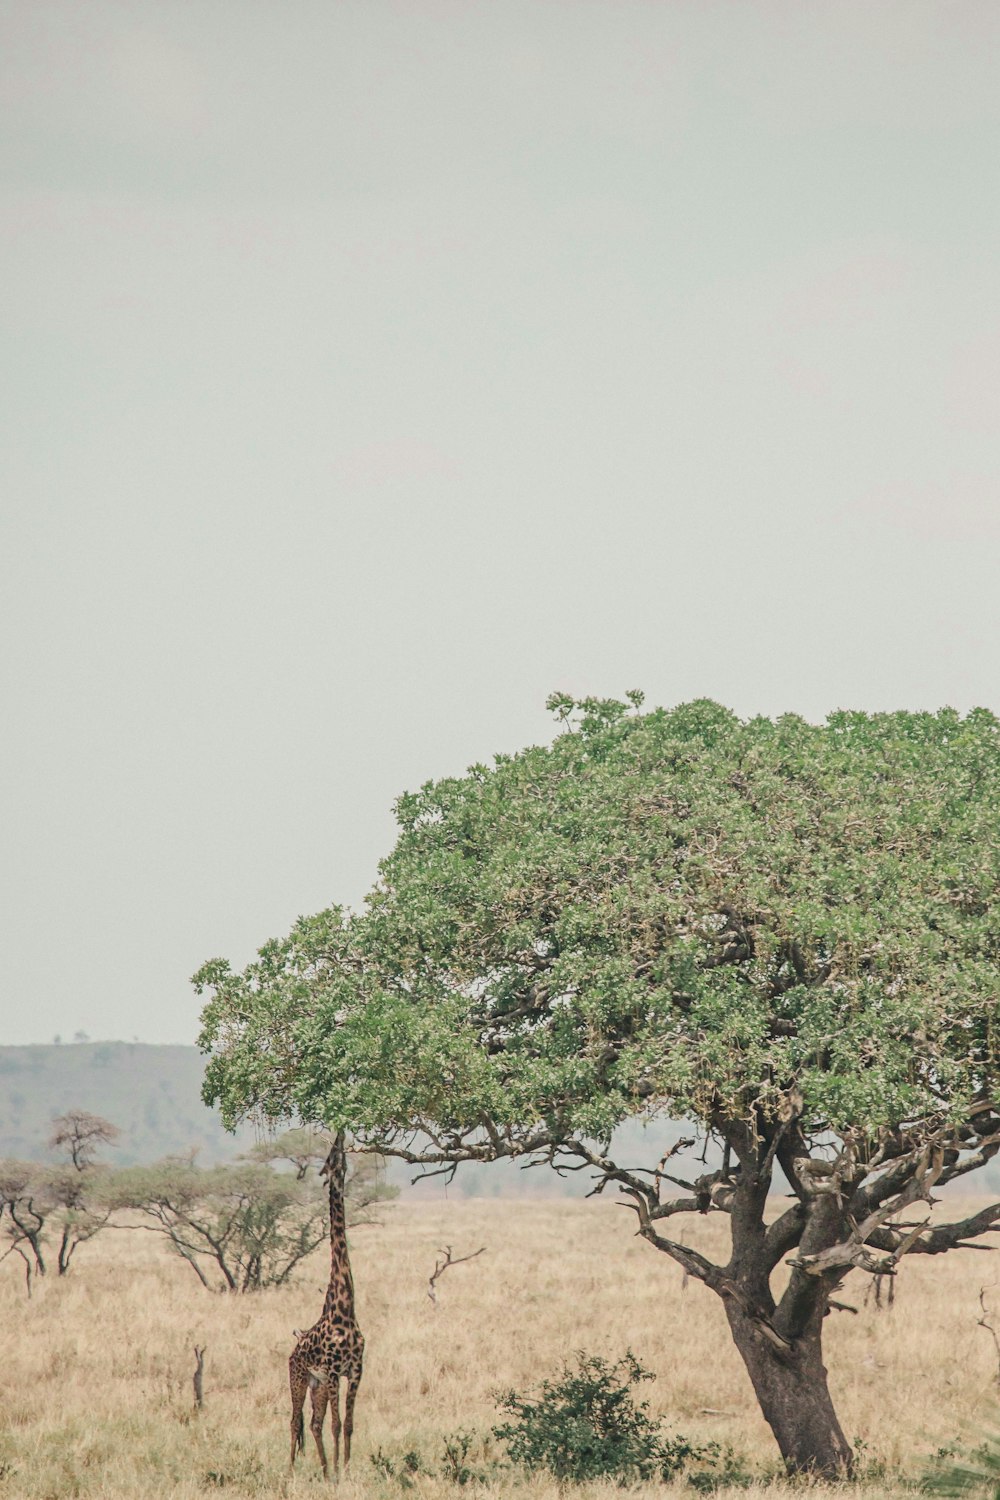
{"x":791,"y":1387}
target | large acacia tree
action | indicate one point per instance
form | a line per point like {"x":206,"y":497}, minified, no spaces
{"x":786,"y":934}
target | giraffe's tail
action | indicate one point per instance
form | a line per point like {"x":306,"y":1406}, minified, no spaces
{"x":300,"y":1436}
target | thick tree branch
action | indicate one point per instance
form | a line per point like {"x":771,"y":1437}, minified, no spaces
{"x":935,"y":1239}
{"x":983,"y":1153}
{"x":804,"y":1301}
{"x":448,"y":1148}
{"x":683,"y":1206}
{"x":854,"y":1251}
{"x":783,"y":1235}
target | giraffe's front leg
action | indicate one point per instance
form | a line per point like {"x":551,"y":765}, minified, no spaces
{"x":353,"y":1381}
{"x":319,"y":1393}
{"x":335,"y":1423}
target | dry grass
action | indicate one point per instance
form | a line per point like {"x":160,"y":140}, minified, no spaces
{"x":95,"y":1382}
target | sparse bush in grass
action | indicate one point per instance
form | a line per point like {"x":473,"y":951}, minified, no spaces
{"x":246,"y":1472}
{"x":587,"y":1424}
{"x":869,"y":1465}
{"x":456,"y":1460}
{"x":460,"y":1463}
{"x":403,"y":1470}
{"x":725,"y":1470}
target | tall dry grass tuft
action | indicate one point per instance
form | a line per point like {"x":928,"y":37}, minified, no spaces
{"x":96,"y":1388}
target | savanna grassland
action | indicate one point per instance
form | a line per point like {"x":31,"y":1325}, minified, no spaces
{"x":95,"y":1380}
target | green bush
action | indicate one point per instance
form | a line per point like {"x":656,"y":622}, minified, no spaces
{"x":586,"y":1424}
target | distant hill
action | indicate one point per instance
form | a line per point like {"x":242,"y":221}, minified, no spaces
{"x":152,"y":1093}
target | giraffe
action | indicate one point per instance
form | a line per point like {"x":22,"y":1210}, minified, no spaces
{"x":334,"y":1346}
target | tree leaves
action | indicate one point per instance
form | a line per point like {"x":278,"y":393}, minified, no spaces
{"x":672,"y":911}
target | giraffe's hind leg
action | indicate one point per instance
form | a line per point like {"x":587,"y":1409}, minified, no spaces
{"x":319,"y":1393}
{"x":353,"y":1381}
{"x":335,"y":1423}
{"x":298,"y":1381}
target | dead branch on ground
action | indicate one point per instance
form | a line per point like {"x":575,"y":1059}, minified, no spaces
{"x":984,"y":1323}
{"x":442,"y":1265}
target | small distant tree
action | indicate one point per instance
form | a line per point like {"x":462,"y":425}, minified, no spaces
{"x":70,"y":1201}
{"x":79,"y":1190}
{"x":24,"y":1208}
{"x":80,"y":1205}
{"x":52,"y":1204}
{"x":81,"y":1135}
{"x":239,"y":1227}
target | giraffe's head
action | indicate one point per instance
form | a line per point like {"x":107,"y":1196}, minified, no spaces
{"x":335,"y":1165}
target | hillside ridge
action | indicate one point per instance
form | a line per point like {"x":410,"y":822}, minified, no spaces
{"x":151,"y":1091}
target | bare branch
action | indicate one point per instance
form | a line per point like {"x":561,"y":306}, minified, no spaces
{"x":448,"y":1171}
{"x":983,"y":1323}
{"x":441,"y":1266}
{"x":682,"y":1144}
{"x":610,"y":1172}
{"x":692,"y":1262}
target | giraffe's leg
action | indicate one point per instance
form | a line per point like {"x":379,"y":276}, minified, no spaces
{"x":335,"y":1422}
{"x":319,"y":1393}
{"x":353,"y":1381}
{"x":299,"y":1383}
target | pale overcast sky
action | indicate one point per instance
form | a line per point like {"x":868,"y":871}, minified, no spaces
{"x":371,"y":369}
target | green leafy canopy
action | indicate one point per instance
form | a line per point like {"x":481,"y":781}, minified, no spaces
{"x":670,"y":912}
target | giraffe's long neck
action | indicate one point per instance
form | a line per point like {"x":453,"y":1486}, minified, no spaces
{"x":340,"y":1292}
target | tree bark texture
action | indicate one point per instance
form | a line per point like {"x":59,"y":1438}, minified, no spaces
{"x":790,"y":1384}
